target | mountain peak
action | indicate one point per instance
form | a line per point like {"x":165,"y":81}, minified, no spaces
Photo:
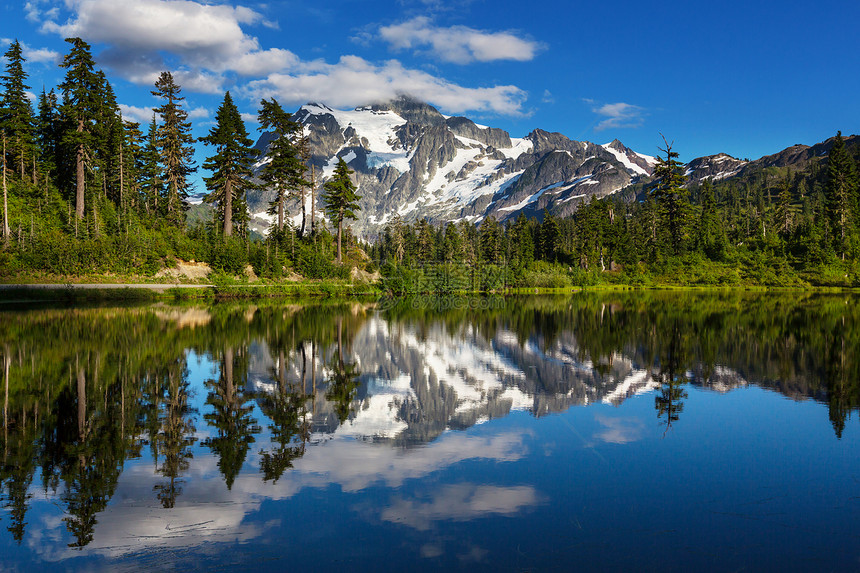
{"x":413,"y":162}
{"x":617,"y":145}
{"x":412,"y":110}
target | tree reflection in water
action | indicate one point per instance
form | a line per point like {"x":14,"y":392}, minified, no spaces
{"x":232,"y":414}
{"x":85,"y":390}
{"x":671,"y":377}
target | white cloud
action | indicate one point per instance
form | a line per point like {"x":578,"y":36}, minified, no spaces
{"x":35,"y":55}
{"x":42,"y":55}
{"x":619,"y":115}
{"x":208,"y":39}
{"x":438,"y":5}
{"x":354,"y":81}
{"x":198,"y":113}
{"x":142,"y":115}
{"x":34,"y":12}
{"x":458,"y":44}
{"x":205,"y":47}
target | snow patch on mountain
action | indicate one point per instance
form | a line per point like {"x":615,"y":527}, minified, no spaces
{"x":409,"y":159}
{"x":625,"y":160}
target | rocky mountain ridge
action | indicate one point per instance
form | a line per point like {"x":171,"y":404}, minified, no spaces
{"x":412,"y":162}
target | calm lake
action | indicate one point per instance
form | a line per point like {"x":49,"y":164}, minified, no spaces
{"x":599,"y":432}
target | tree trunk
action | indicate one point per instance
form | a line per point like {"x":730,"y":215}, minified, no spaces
{"x":171,"y":189}
{"x":228,"y":208}
{"x":304,"y":212}
{"x":121,"y":178}
{"x":5,"y":206}
{"x":313,"y":196}
{"x":280,"y":211}
{"x":339,"y":235}
{"x":80,"y":181}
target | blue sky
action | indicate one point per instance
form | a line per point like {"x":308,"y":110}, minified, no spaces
{"x":744,"y":78}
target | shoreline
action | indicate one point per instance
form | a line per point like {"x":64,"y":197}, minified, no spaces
{"x":95,"y":292}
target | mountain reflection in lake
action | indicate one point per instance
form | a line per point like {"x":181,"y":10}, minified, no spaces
{"x":397,"y":434}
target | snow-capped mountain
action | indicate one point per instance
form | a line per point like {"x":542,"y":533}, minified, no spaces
{"x":714,"y":167}
{"x":412,"y":161}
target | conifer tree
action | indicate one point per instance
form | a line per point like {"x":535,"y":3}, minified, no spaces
{"x":425,"y":241}
{"x":491,"y":240}
{"x":174,"y":143}
{"x":341,"y":200}
{"x":230,"y":166}
{"x":841,"y":188}
{"x":5,"y":191}
{"x":522,"y":242}
{"x":131,"y":163}
{"x":48,"y":131}
{"x":16,"y":113}
{"x":672,"y":199}
{"x":710,"y":234}
{"x":452,"y":244}
{"x":303,"y":147}
{"x":80,"y":88}
{"x":150,"y":169}
{"x":283,"y":167}
{"x":783,"y":206}
{"x":397,"y":233}
{"x":108,"y":137}
{"x":549,"y":238}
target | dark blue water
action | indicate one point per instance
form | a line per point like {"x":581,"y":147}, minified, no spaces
{"x":614,"y":432}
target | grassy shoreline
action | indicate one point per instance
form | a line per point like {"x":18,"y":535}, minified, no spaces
{"x":92,"y":292}
{"x":152,"y":292}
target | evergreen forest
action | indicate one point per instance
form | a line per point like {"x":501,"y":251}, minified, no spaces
{"x":88,"y":193}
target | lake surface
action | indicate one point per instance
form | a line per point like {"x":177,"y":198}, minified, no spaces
{"x":603,"y":432}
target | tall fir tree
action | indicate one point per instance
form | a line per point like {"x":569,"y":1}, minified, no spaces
{"x":710,"y":235}
{"x":341,"y":200}
{"x":671,"y":197}
{"x":549,"y":238}
{"x":131,"y":164}
{"x":150,"y":170}
{"x":5,"y":189}
{"x":841,"y":189}
{"x":452,"y":244}
{"x":81,"y":88}
{"x":174,"y":143}
{"x":283,"y":169}
{"x":108,"y":135}
{"x":783,"y":207}
{"x":48,"y":131}
{"x":230,"y":166}
{"x":491,"y":240}
{"x":16,"y":113}
{"x":522,"y":243}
